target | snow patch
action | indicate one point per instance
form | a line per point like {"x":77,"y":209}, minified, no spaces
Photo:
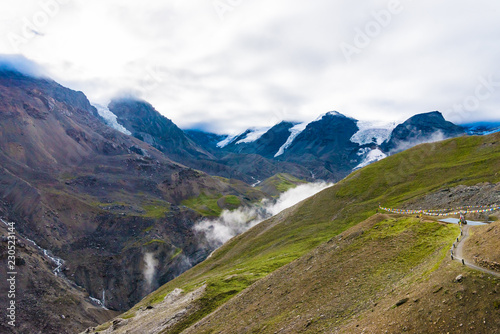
{"x":228,"y":140}
{"x":294,"y":132}
{"x":364,"y":151}
{"x":111,"y":119}
{"x":253,"y":135}
{"x":373,"y":156}
{"x":368,"y":131}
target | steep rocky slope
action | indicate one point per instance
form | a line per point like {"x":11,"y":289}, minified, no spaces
{"x":145,"y":123}
{"x":148,"y":125}
{"x":45,"y":303}
{"x":109,"y":204}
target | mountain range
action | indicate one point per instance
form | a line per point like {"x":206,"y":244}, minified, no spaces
{"x":105,"y":199}
{"x":328,"y":148}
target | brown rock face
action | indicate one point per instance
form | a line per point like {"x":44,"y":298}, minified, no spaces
{"x":107,"y":203}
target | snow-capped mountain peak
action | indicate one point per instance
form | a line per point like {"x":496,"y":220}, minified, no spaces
{"x":330,"y":113}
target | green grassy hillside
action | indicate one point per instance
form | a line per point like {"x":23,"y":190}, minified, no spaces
{"x":279,"y":183}
{"x":295,"y":232}
{"x":342,"y":278}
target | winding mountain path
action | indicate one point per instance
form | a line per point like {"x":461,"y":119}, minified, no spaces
{"x":458,"y":248}
{"x":459,"y":251}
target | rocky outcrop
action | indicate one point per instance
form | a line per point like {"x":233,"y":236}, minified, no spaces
{"x":491,"y":265}
{"x":158,"y":318}
{"x":150,"y":126}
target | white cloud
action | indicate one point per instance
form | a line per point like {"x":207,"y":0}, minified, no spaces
{"x":266,"y":61}
{"x":232,"y":223}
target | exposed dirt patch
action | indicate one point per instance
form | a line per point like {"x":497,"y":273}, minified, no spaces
{"x":482,"y":247}
{"x":439,"y":304}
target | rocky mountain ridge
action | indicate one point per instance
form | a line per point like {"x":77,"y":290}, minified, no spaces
{"x":117,"y":210}
{"x":334,"y":145}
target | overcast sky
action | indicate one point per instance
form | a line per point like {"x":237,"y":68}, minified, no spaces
{"x":226,"y":65}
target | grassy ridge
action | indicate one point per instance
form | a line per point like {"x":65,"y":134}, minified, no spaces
{"x":204,"y":205}
{"x":212,"y":206}
{"x":341,"y":278}
{"x":279,"y":183}
{"x":282,"y":239}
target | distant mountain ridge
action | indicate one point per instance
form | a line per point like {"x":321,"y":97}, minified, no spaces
{"x":333,"y":145}
{"x":195,"y":149}
{"x":148,"y":125}
{"x":421,"y":128}
{"x":482,"y":128}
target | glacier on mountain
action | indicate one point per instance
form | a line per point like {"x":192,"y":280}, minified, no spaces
{"x":110,"y":119}
{"x":294,"y":132}
{"x":253,"y":135}
{"x":228,"y":140}
{"x":372,"y":156}
{"x":368,"y":131}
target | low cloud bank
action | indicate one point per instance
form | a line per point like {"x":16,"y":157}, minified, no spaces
{"x":232,"y":223}
{"x":435,"y":137}
{"x":21,"y":64}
